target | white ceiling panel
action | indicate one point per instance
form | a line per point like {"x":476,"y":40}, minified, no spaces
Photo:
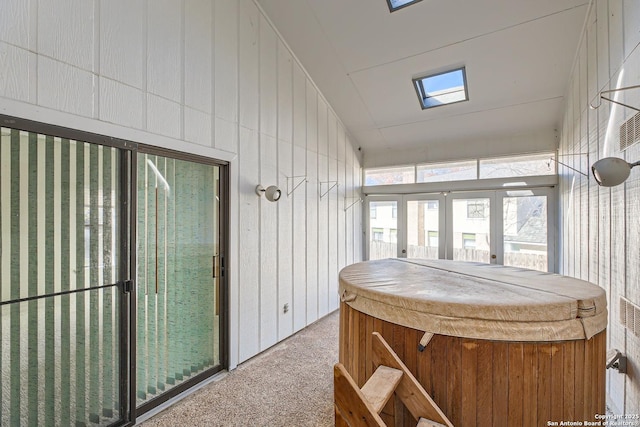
{"x":492,"y":81}
{"x":518,"y":56}
{"x":366,"y":34}
{"x":476,"y":125}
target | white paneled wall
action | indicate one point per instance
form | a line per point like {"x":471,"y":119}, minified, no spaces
{"x":212,"y":78}
{"x":599,"y":227}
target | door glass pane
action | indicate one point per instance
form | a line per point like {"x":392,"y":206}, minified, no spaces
{"x":422,"y":229}
{"x":471,"y":228}
{"x":59,"y":210}
{"x":383,"y":230}
{"x":525,"y":232}
{"x":178,"y":302}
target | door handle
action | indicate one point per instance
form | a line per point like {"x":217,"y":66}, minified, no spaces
{"x":218,"y":266}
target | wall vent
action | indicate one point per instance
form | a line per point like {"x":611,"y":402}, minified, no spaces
{"x":630,"y":132}
{"x":630,"y":316}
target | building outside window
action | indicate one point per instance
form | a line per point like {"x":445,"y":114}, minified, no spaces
{"x":377,"y":234}
{"x":468,"y":240}
{"x":475,"y":209}
{"x":432,"y":239}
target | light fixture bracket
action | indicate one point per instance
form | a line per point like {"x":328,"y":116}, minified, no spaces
{"x":292,"y":185}
{"x":331,"y":185}
{"x":602,"y":92}
{"x":567,"y":166}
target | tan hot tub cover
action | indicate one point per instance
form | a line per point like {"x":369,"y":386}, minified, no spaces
{"x":474,"y":300}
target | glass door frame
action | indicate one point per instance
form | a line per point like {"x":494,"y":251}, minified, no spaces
{"x":547,"y":192}
{"x":123,"y":281}
{"x":223,"y":229}
{"x":496,"y":197}
{"x":442,"y":219}
{"x":400,"y":221}
{"x":493,"y":248}
{"x":127,"y":243}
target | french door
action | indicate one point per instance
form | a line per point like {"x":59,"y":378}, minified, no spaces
{"x":510,"y":227}
{"x":471,"y":227}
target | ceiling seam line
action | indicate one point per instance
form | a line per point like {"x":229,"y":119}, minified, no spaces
{"x":472,"y":112}
{"x":349,"y":73}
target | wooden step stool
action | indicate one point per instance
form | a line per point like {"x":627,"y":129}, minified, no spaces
{"x":361,"y":407}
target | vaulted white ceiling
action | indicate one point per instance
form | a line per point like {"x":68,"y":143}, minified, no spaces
{"x":518,"y":56}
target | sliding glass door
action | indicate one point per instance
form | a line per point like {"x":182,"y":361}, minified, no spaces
{"x":112,"y":288}
{"x":61,"y":271}
{"x":178,"y":273}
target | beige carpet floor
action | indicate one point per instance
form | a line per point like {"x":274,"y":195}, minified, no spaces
{"x":290,"y":384}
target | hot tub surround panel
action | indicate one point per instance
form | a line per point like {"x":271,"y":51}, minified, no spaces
{"x":512,"y":347}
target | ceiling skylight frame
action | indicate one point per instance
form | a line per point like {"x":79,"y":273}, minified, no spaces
{"x":402,"y":6}
{"x":418,"y":84}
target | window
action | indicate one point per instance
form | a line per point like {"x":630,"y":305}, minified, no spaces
{"x":468,"y":240}
{"x":512,"y":166}
{"x":373,"y":212}
{"x":393,"y":175}
{"x":432,"y":239}
{"x":378,"y":234}
{"x":393,"y":235}
{"x":443,"y":88}
{"x":449,"y":171}
{"x":432,"y":205}
{"x":522,"y":165}
{"x":475,"y":210}
{"x":394,"y":212}
{"x":399,"y":4}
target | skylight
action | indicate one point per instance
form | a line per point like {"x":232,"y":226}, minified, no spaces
{"x":399,"y":4}
{"x":442,"y":88}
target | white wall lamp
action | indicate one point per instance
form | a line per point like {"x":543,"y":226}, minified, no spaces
{"x":272,"y":193}
{"x":612,"y":171}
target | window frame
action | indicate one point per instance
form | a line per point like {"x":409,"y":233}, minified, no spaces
{"x":419,"y":87}
{"x":394,"y":9}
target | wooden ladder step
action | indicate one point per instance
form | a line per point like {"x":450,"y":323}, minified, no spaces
{"x":423,"y":422}
{"x":412,"y":394}
{"x":380,"y":387}
{"x":351,"y":406}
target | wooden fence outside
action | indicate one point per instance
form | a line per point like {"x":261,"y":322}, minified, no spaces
{"x":380,"y":250}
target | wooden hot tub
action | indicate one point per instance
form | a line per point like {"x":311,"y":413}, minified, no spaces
{"x":511,"y":347}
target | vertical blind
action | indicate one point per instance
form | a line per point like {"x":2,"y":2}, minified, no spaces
{"x":178,"y":327}
{"x":60,"y":310}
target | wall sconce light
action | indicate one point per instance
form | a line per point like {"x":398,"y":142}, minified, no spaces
{"x":272,"y":193}
{"x":612,"y":171}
